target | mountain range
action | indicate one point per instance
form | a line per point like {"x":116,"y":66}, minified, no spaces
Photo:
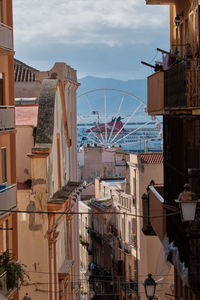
{"x":94,"y":101}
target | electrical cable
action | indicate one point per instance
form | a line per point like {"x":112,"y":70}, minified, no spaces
{"x":87,"y":213}
{"x":77,"y":275}
{"x":154,"y":56}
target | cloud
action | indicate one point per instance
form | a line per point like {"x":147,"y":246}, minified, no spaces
{"x":106,"y":38}
{"x":85,"y":22}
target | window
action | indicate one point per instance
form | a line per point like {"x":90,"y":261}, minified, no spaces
{"x":1,"y":11}
{"x":130,"y":272}
{"x":1,"y":79}
{"x":5,"y":235}
{"x":129,"y":231}
{"x":134,"y":183}
{"x":123,"y":229}
{"x":3,"y":165}
{"x":59,"y":160}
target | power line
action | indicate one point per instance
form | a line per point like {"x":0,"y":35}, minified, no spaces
{"x":100,"y":281}
{"x":77,"y":275}
{"x":87,"y":213}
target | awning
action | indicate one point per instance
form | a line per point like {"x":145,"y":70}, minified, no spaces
{"x":66,"y":266}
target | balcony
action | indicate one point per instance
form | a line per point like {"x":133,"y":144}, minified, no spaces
{"x":7,"y":197}
{"x":174,"y":89}
{"x":127,"y":248}
{"x":155,"y":84}
{"x":7,"y":118}
{"x":161,"y":2}
{"x":6,"y":37}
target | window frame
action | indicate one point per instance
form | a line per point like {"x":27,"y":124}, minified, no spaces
{"x":4,"y":173}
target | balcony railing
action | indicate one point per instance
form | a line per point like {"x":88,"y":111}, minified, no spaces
{"x":160,"y":1}
{"x":174,"y":89}
{"x":7,"y":197}
{"x":7,"y":118}
{"x":6,"y":37}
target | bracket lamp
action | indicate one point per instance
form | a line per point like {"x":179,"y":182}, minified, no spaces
{"x":177,"y":19}
{"x":187,"y":204}
{"x":150,"y":287}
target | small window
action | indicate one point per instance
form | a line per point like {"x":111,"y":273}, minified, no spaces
{"x":5,"y":235}
{"x":3,"y":165}
{"x":1,"y":82}
{"x":1,"y":11}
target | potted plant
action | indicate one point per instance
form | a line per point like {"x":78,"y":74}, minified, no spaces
{"x":15,"y":272}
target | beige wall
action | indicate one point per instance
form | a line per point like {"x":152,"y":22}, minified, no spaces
{"x":24,"y":145}
{"x":45,"y":182}
{"x":100,"y":161}
{"x":33,"y":244}
{"x":149,"y":252}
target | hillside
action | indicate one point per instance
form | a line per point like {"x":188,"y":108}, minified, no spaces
{"x":135,"y":87}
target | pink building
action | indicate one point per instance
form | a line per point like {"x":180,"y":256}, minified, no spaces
{"x":100,"y":162}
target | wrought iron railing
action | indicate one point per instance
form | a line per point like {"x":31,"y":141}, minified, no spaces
{"x":7,"y":197}
{"x":7,"y":118}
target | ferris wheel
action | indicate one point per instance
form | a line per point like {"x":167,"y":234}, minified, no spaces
{"x":115,"y":118}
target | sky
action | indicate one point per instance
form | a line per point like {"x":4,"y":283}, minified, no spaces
{"x":102,"y":38}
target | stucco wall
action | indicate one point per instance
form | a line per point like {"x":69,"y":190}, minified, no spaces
{"x":100,"y":161}
{"x":24,"y":145}
{"x":61,"y":244}
{"x":149,"y":248}
{"x":32,"y":231}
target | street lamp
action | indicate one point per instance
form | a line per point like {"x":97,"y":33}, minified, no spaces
{"x":187,"y":204}
{"x":27,"y":297}
{"x":150,"y":287}
{"x":177,"y":19}
{"x":92,"y":294}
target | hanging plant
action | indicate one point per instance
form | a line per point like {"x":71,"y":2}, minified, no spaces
{"x":15,"y":272}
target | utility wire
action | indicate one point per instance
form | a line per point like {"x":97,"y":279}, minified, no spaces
{"x":76,"y":275}
{"x":87,"y":213}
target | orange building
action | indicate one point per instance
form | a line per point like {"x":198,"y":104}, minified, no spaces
{"x":8,"y":221}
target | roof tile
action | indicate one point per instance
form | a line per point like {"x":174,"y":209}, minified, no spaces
{"x":152,"y":158}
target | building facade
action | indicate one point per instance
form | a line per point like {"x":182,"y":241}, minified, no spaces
{"x":144,"y":170}
{"x":99,"y":161}
{"x":85,"y":248}
{"x":177,"y":99}
{"x":8,"y":201}
{"x":113,"y":241}
{"x":48,"y":189}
